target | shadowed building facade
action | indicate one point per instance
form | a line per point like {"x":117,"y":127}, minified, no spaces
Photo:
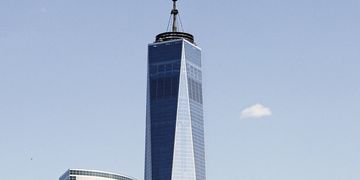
{"x":175,"y":147}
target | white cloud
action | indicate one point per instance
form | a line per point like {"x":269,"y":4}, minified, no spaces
{"x":256,"y":111}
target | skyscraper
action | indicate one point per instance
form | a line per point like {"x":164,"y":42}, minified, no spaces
{"x":174,"y":117}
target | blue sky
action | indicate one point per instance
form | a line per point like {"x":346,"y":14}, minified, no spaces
{"x":73,"y":85}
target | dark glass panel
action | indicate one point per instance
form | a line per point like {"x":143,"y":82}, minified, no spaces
{"x":163,"y":106}
{"x":167,"y":87}
{"x":165,"y":52}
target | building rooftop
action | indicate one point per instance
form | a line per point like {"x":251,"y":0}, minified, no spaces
{"x":94,"y":173}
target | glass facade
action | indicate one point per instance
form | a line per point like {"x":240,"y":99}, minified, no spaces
{"x":77,"y":174}
{"x":174,"y":120}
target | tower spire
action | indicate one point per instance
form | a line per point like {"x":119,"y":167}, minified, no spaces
{"x":174,"y":33}
{"x":174,"y":13}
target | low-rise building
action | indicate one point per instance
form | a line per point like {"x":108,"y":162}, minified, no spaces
{"x":81,"y":174}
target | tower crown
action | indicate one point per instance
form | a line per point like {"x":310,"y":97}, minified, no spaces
{"x":174,"y":33}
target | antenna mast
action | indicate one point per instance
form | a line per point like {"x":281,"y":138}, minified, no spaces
{"x":174,"y":13}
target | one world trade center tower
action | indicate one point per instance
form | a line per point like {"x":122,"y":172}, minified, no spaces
{"x":175,"y":148}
